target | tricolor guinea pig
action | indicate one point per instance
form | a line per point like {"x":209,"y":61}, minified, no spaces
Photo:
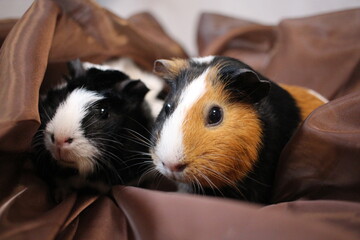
{"x":93,"y":130}
{"x":223,"y":126}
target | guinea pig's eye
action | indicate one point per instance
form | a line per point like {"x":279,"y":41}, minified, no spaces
{"x":168,"y":107}
{"x":215,"y":116}
{"x":103,"y":112}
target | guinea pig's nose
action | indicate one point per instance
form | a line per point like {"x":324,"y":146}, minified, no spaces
{"x":176,"y":167}
{"x":69,"y":140}
{"x":63,"y":141}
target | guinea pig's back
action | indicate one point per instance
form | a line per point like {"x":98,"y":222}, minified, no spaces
{"x":307,"y":100}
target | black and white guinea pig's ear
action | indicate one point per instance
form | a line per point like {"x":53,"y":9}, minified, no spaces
{"x":98,"y":79}
{"x":134,"y":90}
{"x":76,"y":68}
{"x":246,"y":81}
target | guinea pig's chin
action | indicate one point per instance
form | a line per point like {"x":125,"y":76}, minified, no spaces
{"x":176,"y":176}
{"x":85,"y":166}
{"x":66,"y":162}
{"x":179,"y":177}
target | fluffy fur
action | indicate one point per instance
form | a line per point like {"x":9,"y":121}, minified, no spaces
{"x":237,"y":156}
{"x":92,"y":131}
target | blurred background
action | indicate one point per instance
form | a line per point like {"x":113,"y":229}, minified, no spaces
{"x":180,"y":18}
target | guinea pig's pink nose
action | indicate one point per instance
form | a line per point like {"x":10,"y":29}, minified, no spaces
{"x":60,"y":141}
{"x":175,"y":167}
{"x":69,"y":140}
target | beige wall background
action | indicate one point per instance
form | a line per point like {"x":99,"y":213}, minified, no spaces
{"x":180,"y":18}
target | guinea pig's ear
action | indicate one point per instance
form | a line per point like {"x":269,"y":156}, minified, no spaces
{"x":162,"y":68}
{"x":98,"y":79}
{"x":246,"y":81}
{"x":169,"y":69}
{"x":135,"y":90}
{"x":76,"y":68}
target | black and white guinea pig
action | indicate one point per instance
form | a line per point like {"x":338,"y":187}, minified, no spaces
{"x":93,"y":131}
{"x":223,"y":126}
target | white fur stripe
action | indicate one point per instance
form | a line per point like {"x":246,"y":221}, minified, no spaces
{"x":169,"y":148}
{"x":201,"y":60}
{"x":88,"y":65}
{"x":67,"y":119}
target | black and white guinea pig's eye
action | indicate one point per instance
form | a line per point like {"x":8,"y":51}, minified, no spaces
{"x":214,"y":116}
{"x":103,"y":112}
{"x":167,"y":107}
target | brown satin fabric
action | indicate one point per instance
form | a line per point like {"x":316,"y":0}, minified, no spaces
{"x":322,"y":159}
{"x":48,"y":35}
{"x":320,"y":52}
{"x":5,"y":27}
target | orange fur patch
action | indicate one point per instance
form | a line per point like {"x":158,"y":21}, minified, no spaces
{"x":220,"y":155}
{"x":306,"y":101}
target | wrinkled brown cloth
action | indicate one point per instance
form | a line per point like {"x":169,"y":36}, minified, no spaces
{"x":317,"y":191}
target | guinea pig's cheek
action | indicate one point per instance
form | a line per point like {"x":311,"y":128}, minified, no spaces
{"x":224,"y":154}
{"x":84,"y":153}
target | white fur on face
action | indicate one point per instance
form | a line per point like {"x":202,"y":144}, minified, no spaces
{"x":205,"y":60}
{"x":169,"y":148}
{"x":65,"y":124}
